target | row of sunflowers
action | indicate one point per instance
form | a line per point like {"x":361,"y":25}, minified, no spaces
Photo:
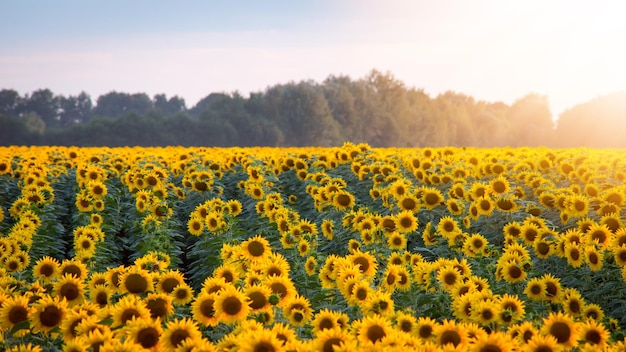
{"x":312,"y":249}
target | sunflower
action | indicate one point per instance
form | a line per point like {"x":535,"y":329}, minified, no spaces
{"x":343,"y":200}
{"x":572,"y":302}
{"x":286,"y":335}
{"x":203,"y":309}
{"x":372,"y":329}
{"x":365,"y":261}
{"x":431,"y":197}
{"x":310,"y":266}
{"x":543,"y":248}
{"x":577,"y":205}
{"x":136,"y":280}
{"x":379,"y":302}
{"x":100,"y":338}
{"x":529,"y":232}
{"x":231,"y":305}
{"x":160,"y":305}
{"x":593,"y":258}
{"x":474,"y":245}
{"x":485,"y":206}
{"x":100,"y":295}
{"x":258,"y":296}
{"x":127,"y":308}
{"x":449,"y":332}
{"x":214,"y":221}
{"x":512,"y":272}
{"x":425,"y":329}
{"x":553,"y":290}
{"x":511,"y":308}
{"x":233,"y":207}
{"x":24,"y":347}
{"x":256,"y":247}
{"x":619,"y":254}
{"x":593,"y":311}
{"x":542,"y":343}
{"x":494,"y":342}
{"x":303,"y":247}
{"x":16,"y":262}
{"x":535,"y":289}
{"x":84,"y":202}
{"x":448,"y":276}
{"x":499,"y":185}
{"x":619,"y":238}
{"x":408,"y":203}
{"x":455,"y":207}
{"x":614,"y":195}
{"x":73,"y":318}
{"x":599,"y":234}
{"x":334,"y":339}
{"x":462,"y":305}
{"x":13,"y":311}
{"x":396,"y":240}
{"x":97,"y":189}
{"x":594,"y":333}
{"x":275,"y":265}
{"x":179,"y":330}
{"x":561,"y":327}
{"x":259,"y":340}
{"x":169,"y":280}
{"x":195,"y":226}
{"x":523,"y":332}
{"x":360,"y":292}
{"x":46,"y":269}
{"x":406,"y":222}
{"x":448,"y":226}
{"x":485,"y":312}
{"x":325,"y":319}
{"x":182,"y":294}
{"x":47,"y":313}
{"x":390,"y":277}
{"x":145,"y":333}
{"x":573,"y":254}
{"x":71,"y":289}
{"x":73,"y":267}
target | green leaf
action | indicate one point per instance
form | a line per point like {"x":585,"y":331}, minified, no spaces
{"x":22,"y":325}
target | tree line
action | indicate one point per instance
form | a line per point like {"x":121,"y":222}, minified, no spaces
{"x":377,"y":109}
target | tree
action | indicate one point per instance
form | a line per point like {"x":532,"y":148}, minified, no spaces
{"x":169,"y":107}
{"x":114,"y":104}
{"x":597,"y":123}
{"x":34,"y":123}
{"x":13,"y":131}
{"x":45,"y":105}
{"x":530,"y":122}
{"x":304,"y":115}
{"x":74,"y":109}
{"x":10,"y":102}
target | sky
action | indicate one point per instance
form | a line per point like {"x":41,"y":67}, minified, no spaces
{"x":493,"y":50}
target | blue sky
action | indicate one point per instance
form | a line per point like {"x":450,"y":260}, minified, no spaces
{"x":571,"y":51}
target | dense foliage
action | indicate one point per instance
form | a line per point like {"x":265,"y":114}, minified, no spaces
{"x":312,"y":249}
{"x":377,"y":109}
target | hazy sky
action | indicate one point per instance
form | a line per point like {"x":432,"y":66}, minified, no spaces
{"x":494,"y":50}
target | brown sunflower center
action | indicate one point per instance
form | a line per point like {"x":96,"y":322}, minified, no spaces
{"x":148,"y":337}
{"x":51,"y":316}
{"x":256,"y":248}
{"x":561,"y":331}
{"x":136,"y":283}
{"x":375,"y":333}
{"x":18,"y":314}
{"x":232,"y":305}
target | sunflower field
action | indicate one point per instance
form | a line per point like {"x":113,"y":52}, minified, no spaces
{"x":312,"y":249}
